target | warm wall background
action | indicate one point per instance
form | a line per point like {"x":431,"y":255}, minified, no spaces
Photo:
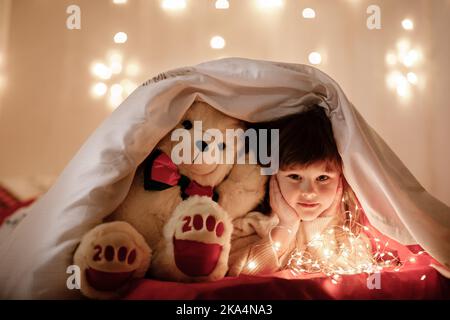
{"x":47,"y":108}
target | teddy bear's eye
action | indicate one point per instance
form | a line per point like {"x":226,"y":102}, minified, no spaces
{"x":187,"y":124}
{"x":222,"y":146}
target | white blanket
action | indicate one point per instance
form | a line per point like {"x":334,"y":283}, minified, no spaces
{"x":35,"y":254}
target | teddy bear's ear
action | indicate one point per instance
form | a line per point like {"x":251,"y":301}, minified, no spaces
{"x":187,"y":124}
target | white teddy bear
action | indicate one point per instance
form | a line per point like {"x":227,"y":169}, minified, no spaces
{"x":176,"y":221}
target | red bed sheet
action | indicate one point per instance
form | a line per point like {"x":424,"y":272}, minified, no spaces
{"x":414,"y":281}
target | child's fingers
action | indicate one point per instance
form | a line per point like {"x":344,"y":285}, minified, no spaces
{"x":273,"y":193}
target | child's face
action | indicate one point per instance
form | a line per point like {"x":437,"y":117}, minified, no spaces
{"x":309,"y":190}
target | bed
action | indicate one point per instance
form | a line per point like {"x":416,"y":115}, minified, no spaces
{"x":36,"y":254}
{"x":416,"y":279}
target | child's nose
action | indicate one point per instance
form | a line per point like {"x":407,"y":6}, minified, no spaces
{"x":307,"y":190}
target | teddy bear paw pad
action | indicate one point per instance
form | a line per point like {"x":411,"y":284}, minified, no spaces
{"x":114,"y":267}
{"x":198,"y":244}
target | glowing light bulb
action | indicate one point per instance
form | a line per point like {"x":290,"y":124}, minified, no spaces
{"x":251,"y":265}
{"x":115,"y":96}
{"x":267,"y":4}
{"x":308,"y":13}
{"x":120,"y":37}
{"x":403,"y":46}
{"x":412,"y":78}
{"x":217,"y":42}
{"x":99,"y":89}
{"x":119,"y":1}
{"x":115,"y":62}
{"x":174,"y":4}
{"x":315,"y":58}
{"x":222,"y":4}
{"x":403,"y":89}
{"x":412,"y":260}
{"x":423,"y":277}
{"x":277,"y":245}
{"x":411,"y":57}
{"x":101,"y":71}
{"x":407,"y":24}
{"x":391,"y":59}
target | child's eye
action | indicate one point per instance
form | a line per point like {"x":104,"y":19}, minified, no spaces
{"x":295,"y":177}
{"x":322,"y":178}
{"x":222,"y":146}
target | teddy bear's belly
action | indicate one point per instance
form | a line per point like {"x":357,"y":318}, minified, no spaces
{"x":148,"y":211}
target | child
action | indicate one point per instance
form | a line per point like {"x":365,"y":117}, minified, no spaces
{"x":308,"y":215}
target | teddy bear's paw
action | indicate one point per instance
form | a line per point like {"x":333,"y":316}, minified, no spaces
{"x":192,"y":256}
{"x":110,"y":256}
{"x":201,"y":238}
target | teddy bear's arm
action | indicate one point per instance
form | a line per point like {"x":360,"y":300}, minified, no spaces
{"x":242,"y":190}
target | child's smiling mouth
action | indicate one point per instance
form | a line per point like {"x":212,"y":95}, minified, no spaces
{"x":308,"y":205}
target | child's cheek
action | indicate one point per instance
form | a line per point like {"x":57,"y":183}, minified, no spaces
{"x":290,"y":192}
{"x":327,"y":192}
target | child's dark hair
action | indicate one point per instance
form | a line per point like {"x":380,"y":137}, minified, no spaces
{"x":305,"y":138}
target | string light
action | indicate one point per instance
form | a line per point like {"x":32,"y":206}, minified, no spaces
{"x":348,"y":257}
{"x":217,"y":42}
{"x":120,"y":37}
{"x":101,"y":70}
{"x":277,"y":246}
{"x":110,"y":69}
{"x":222,"y":4}
{"x":268,"y":4}
{"x":308,"y":13}
{"x":115,"y":62}
{"x":251,"y":265}
{"x":315,"y":58}
{"x":174,"y":4}
{"x":391,"y":59}
{"x":99,"y":89}
{"x":405,"y":58}
{"x":115,"y":97}
{"x":407,"y":24}
{"x":412,"y":78}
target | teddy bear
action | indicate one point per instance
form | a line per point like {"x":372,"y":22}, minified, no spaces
{"x":177,"y":219}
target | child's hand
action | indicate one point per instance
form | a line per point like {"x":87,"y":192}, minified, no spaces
{"x":286,"y":214}
{"x":336,"y":205}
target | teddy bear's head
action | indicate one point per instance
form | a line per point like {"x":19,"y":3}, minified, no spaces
{"x":201,"y":146}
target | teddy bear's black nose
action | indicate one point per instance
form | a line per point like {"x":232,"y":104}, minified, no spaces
{"x":201,"y":145}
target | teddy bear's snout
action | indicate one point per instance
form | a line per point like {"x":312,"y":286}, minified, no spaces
{"x":201,"y":145}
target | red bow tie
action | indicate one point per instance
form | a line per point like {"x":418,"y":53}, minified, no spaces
{"x":161,"y":173}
